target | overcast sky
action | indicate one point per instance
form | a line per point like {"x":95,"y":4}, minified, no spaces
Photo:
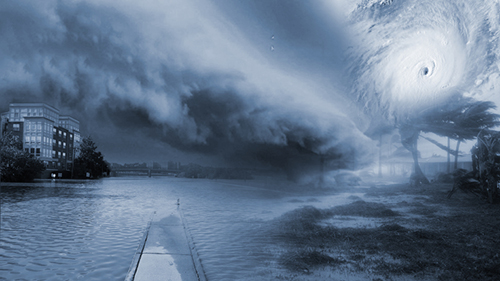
{"x":219,"y":82}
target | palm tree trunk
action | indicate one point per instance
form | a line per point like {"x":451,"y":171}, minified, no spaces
{"x":409,"y":141}
{"x":456,"y":155}
{"x":419,"y":175}
{"x":448,"y":163}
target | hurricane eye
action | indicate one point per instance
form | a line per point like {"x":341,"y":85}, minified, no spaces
{"x":425,"y":70}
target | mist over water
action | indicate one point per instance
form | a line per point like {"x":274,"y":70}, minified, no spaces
{"x":91,"y":230}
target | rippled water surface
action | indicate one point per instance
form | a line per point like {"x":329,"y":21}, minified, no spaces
{"x":90,"y":230}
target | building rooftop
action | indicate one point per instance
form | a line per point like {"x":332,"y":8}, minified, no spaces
{"x":34,"y":105}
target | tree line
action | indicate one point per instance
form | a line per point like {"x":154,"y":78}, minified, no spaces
{"x":17,"y":165}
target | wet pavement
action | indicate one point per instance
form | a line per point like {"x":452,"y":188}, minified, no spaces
{"x":165,"y":253}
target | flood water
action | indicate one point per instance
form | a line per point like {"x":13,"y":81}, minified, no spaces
{"x":90,"y":230}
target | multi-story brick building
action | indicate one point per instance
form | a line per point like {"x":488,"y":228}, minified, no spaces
{"x":44,"y":133}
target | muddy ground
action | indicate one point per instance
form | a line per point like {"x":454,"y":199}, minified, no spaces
{"x":392,"y":232}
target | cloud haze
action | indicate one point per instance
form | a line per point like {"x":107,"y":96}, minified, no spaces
{"x":242,"y":81}
{"x":211,"y":77}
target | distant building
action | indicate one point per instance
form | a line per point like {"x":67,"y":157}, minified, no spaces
{"x":44,"y":133}
{"x":173,"y":165}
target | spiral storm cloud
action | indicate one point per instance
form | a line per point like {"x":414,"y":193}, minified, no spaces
{"x":245,"y":82}
{"x":415,"y":54}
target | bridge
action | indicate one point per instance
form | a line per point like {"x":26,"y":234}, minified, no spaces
{"x":142,"y":172}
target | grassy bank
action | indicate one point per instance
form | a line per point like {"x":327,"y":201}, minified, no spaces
{"x":403,"y":233}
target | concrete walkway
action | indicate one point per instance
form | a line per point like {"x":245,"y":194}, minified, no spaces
{"x":166,"y":251}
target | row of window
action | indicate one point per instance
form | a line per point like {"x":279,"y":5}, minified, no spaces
{"x":53,"y":164}
{"x":14,"y":113}
{"x":32,"y":127}
{"x":61,"y":133}
{"x":59,"y":144}
{"x":34,"y":150}
{"x":36,"y":139}
{"x":46,"y":141}
{"x":37,"y":126}
{"x":45,"y":153}
{"x":58,"y":154}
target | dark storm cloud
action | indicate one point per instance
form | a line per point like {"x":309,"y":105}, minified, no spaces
{"x":229,"y":78}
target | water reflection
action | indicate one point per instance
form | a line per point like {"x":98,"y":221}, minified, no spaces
{"x":90,"y":230}
{"x":57,"y":231}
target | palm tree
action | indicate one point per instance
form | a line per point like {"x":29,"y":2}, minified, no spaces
{"x":474,"y":118}
{"x":461,"y":118}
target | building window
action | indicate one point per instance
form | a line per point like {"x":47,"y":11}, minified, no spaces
{"x":16,"y":127}
{"x":38,"y":139}
{"x":27,"y":150}
{"x":70,"y":136}
{"x":64,"y":145}
{"x":64,"y":154}
{"x":60,"y":143}
{"x":27,"y":139}
{"x":59,"y":154}
{"x":38,"y":152}
{"x":60,"y":133}
{"x":32,"y":150}
{"x":54,"y":131}
{"x":53,"y":142}
{"x":64,"y":134}
{"x":53,"y":154}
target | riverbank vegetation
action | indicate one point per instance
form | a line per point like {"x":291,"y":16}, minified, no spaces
{"x":90,"y":162}
{"x":17,"y":165}
{"x":393,"y":233}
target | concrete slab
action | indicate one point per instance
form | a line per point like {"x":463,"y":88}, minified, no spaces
{"x":166,"y":252}
{"x":169,"y":216}
{"x":166,"y":239}
{"x":154,"y":267}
